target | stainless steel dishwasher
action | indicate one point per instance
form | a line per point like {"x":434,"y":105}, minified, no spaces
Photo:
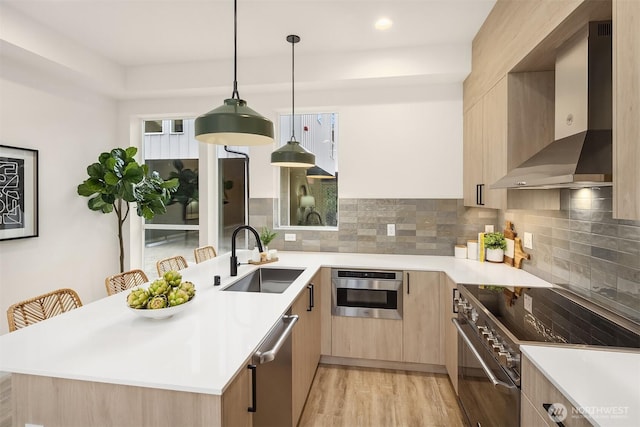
{"x":271,"y":376}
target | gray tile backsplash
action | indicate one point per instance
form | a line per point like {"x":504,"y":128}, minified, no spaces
{"x":581,"y":246}
{"x":423,"y":226}
{"x":585,"y":249}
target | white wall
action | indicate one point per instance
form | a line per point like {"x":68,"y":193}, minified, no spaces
{"x":76,"y":248}
{"x":412,"y":137}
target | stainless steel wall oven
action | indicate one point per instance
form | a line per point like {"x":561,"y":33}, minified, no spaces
{"x":367,"y":293}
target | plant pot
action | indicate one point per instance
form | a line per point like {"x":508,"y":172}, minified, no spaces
{"x":494,"y":255}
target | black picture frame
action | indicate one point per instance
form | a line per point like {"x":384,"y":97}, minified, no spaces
{"x":18,"y":193}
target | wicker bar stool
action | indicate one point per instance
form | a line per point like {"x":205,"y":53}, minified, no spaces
{"x":204,"y":253}
{"x":123,"y":281}
{"x":173,"y":263}
{"x":42,"y":307}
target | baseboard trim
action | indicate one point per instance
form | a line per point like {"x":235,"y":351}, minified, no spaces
{"x":383,"y":364}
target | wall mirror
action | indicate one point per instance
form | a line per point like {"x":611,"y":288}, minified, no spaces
{"x":309,"y":197}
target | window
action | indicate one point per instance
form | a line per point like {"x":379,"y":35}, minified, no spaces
{"x":177,"y":126}
{"x":153,"y":126}
{"x":177,"y":232}
{"x":306,"y":201}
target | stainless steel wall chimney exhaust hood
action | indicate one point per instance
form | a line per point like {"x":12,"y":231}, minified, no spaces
{"x":581,"y":155}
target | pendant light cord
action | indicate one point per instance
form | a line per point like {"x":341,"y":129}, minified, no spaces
{"x":293,"y":93}
{"x":235,"y":93}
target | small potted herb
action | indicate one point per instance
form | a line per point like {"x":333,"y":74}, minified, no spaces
{"x":495,"y":245}
{"x":266,"y":236}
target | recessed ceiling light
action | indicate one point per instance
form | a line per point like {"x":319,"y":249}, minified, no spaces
{"x":383,"y":24}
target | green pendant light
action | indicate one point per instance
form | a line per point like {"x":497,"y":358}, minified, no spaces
{"x":292,"y":154}
{"x":317,"y":172}
{"x":234,"y":123}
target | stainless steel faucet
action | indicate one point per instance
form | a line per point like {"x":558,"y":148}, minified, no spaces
{"x":234,"y":258}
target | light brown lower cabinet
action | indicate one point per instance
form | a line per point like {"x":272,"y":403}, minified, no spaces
{"x":366,"y":338}
{"x":449,"y":331}
{"x":305,"y":343}
{"x":236,"y":400}
{"x":422,"y":340}
{"x":529,"y":416}
{"x":58,"y":402}
{"x":540,"y":393}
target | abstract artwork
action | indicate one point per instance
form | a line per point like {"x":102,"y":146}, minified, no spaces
{"x":18,"y":193}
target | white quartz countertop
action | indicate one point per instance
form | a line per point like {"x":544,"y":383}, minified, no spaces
{"x":200,"y":349}
{"x":604,"y":385}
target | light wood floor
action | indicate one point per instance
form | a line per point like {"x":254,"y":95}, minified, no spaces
{"x":350,"y":397}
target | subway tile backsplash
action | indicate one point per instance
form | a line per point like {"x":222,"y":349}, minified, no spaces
{"x":581,"y":246}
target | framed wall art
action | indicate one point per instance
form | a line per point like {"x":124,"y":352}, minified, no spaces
{"x":18,"y":193}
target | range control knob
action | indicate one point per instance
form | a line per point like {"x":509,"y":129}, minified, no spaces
{"x":474,"y":315}
{"x":506,"y":359}
{"x":497,"y":348}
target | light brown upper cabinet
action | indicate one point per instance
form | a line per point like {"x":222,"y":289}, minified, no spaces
{"x":485,"y":148}
{"x":626,"y":109}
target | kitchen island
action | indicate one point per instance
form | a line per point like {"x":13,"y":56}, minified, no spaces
{"x":108,"y":366}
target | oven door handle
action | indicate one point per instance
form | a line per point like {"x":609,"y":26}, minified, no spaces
{"x":496,"y":382}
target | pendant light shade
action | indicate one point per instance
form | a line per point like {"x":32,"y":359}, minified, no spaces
{"x":234,"y":123}
{"x":318,"y":173}
{"x":292,"y":154}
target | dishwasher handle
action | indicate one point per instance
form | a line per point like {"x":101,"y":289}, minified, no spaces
{"x":270,"y":354}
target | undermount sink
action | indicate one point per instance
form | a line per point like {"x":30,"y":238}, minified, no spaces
{"x":266,"y":280}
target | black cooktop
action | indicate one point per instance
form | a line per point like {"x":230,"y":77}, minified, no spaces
{"x":555,"y":315}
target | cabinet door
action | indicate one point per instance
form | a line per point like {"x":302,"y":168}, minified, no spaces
{"x":236,"y":400}
{"x":323,"y":291}
{"x":529,"y":416}
{"x":494,"y":138}
{"x":626,"y":104}
{"x":449,"y":331}
{"x":422,"y":337}
{"x":366,"y":338}
{"x":306,"y":344}
{"x":472,"y":154}
{"x":541,"y":392}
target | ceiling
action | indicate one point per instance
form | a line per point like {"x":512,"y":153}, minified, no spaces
{"x":146,"y":32}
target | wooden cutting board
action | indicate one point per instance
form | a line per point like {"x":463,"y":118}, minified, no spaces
{"x":509,"y":235}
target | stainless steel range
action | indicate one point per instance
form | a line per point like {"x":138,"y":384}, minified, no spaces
{"x":494,"y":321}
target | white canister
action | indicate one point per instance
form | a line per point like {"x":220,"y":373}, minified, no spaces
{"x":460,"y":251}
{"x":472,"y":249}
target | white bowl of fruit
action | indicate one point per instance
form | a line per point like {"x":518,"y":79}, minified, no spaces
{"x":163,"y":298}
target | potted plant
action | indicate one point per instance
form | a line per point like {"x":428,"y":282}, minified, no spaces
{"x":495,"y":245}
{"x":266,"y":236}
{"x":117,"y":180}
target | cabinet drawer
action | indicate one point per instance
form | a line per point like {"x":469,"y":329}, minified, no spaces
{"x":530,"y":417}
{"x":366,"y":338}
{"x":541,"y":392}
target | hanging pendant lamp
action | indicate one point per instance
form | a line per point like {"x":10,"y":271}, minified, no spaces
{"x":234,"y":123}
{"x":292,"y":154}
{"x":318,"y":173}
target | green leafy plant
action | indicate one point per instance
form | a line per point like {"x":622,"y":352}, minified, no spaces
{"x":187,"y":191}
{"x":495,"y":241}
{"x":117,"y":180}
{"x":266,"y":236}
